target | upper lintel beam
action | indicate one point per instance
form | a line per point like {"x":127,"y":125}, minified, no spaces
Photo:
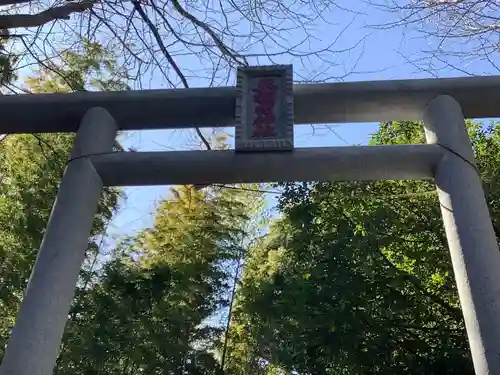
{"x":207,"y":107}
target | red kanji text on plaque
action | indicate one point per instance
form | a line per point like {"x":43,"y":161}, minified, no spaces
{"x":264,"y":97}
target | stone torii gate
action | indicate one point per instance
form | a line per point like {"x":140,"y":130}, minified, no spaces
{"x":97,"y":116}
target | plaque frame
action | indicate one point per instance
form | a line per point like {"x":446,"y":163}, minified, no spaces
{"x":283,"y":141}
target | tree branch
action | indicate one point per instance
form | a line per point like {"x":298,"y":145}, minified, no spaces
{"x":163,"y":48}
{"x":13,"y":2}
{"x":226,"y":51}
{"x":62,"y":12}
{"x":230,"y":314}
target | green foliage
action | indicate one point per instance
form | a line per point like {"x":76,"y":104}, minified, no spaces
{"x":150,"y":309}
{"x":94,"y":68}
{"x":31,"y":168}
{"x":355,"y":278}
{"x":7,"y":60}
{"x":27,"y":191}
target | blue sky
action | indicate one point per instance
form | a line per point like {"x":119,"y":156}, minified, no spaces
{"x":376,"y":55}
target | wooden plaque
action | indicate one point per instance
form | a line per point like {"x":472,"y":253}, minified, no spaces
{"x":264,"y":108}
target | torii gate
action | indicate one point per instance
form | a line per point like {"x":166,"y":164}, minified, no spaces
{"x":447,"y":157}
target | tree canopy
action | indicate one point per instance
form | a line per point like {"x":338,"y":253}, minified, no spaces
{"x":355,"y":277}
{"x":148,"y":311}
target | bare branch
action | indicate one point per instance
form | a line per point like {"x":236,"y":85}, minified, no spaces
{"x":226,"y":51}
{"x":13,"y":2}
{"x":62,"y":12}
{"x":458,"y":32}
{"x":163,"y":48}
